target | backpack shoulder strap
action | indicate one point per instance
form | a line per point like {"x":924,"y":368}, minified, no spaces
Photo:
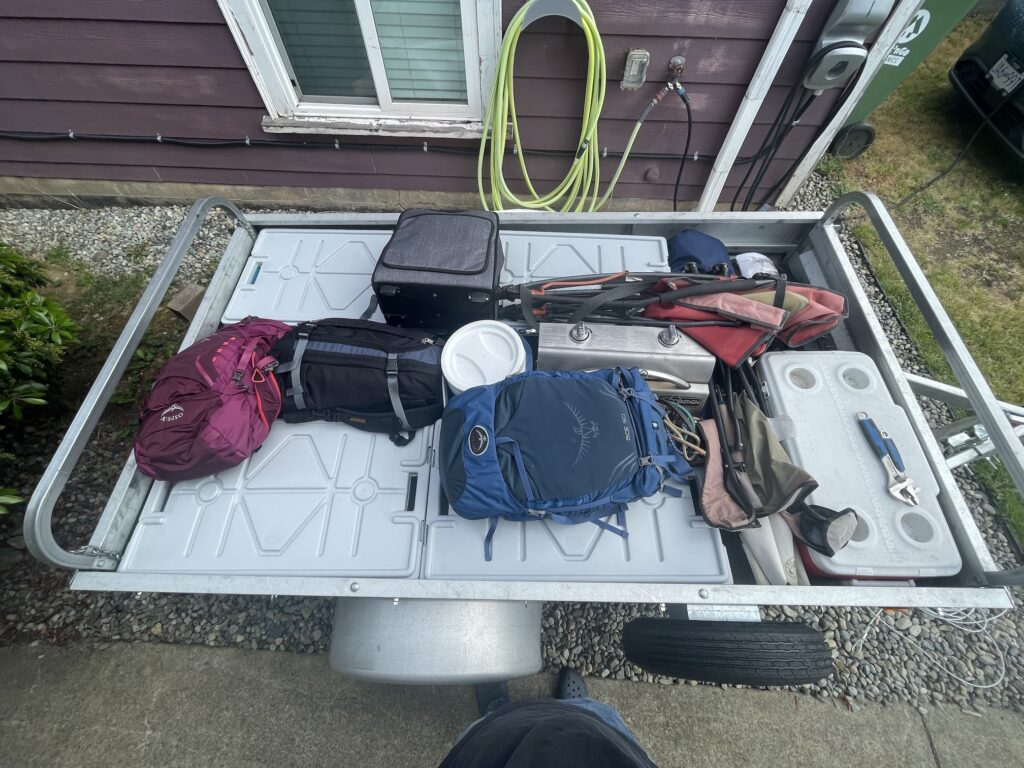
{"x":492,"y":526}
{"x":596,"y":516}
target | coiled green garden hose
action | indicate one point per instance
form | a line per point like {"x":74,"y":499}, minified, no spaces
{"x":579,"y":189}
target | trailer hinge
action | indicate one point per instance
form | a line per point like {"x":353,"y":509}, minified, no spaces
{"x":100,"y":554}
{"x":244,"y":224}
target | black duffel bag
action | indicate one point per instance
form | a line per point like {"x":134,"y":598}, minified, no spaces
{"x":370,"y":375}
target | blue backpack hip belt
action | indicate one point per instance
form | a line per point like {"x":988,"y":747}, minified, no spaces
{"x":569,"y":446}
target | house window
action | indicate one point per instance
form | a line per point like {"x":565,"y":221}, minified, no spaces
{"x":400,"y":67}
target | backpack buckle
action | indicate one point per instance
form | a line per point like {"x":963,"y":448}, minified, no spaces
{"x":650,"y":461}
{"x":236,"y":377}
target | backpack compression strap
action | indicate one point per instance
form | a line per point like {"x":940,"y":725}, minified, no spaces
{"x":294,"y":365}
{"x":663,"y":463}
{"x":391,"y":370}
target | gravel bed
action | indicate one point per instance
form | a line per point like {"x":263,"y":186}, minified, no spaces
{"x":34,"y":600}
{"x":114,"y":242}
{"x":876,"y":657}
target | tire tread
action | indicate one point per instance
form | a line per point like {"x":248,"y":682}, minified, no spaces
{"x":739,"y":653}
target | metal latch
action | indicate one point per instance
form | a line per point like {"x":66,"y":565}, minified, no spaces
{"x":100,"y":554}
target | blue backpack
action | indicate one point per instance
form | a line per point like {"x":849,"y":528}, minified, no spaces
{"x":568,"y":446}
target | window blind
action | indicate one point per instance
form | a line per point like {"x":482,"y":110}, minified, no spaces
{"x":421,"y":44}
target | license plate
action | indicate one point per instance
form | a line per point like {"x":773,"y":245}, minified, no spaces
{"x":1005,"y":74}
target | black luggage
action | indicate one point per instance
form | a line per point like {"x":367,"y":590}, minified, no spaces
{"x":440,"y":270}
{"x":372,"y":376}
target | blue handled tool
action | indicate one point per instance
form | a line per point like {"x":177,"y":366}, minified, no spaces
{"x":900,"y":485}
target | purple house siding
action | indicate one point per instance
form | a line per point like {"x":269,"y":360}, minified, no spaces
{"x":134,"y":67}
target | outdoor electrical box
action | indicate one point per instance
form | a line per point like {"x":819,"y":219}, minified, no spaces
{"x":635,"y":73}
{"x":843,"y":41}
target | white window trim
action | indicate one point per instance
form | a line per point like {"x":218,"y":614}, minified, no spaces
{"x":262,"y":52}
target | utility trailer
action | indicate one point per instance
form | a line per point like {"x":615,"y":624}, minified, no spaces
{"x":325,"y":510}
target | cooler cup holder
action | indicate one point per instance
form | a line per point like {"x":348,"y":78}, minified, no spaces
{"x":916,"y":528}
{"x":802,"y":378}
{"x":856,"y":378}
{"x":864,"y":531}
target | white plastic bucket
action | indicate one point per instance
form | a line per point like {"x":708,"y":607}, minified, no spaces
{"x":484,"y":352}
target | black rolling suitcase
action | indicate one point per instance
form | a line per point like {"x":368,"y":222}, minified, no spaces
{"x":440,"y":269}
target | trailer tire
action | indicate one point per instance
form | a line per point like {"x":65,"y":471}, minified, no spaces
{"x":736,"y":652}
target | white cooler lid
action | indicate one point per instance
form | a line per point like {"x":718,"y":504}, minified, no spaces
{"x":484,"y":352}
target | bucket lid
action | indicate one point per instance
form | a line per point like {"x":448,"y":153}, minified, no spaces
{"x":484,"y":352}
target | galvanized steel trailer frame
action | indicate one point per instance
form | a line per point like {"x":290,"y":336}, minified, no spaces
{"x":814,"y":252}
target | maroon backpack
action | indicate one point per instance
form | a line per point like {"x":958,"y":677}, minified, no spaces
{"x":212,"y":404}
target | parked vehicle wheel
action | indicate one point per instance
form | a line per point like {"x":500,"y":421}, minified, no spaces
{"x":737,"y":652}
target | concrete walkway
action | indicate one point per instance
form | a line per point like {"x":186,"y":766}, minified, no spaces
{"x":163,"y":705}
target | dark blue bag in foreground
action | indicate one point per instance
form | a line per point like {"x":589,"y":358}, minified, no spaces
{"x":568,"y":446}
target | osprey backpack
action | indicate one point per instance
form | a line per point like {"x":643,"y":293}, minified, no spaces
{"x":567,"y":446}
{"x":211,"y":404}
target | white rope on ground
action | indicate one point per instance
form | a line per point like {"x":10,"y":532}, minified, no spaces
{"x":968,"y":620}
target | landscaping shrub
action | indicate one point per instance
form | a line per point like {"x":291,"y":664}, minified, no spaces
{"x":34,"y":333}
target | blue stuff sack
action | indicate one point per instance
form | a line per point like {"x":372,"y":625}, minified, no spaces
{"x":707,"y":254}
{"x":568,"y":446}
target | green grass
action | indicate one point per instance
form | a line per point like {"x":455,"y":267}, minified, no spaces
{"x":903,"y":303}
{"x":966,"y":231}
{"x":94,"y":298}
{"x":1004,"y":493}
{"x":101,"y":305}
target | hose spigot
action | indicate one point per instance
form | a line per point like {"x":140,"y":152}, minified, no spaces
{"x":677,"y":66}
